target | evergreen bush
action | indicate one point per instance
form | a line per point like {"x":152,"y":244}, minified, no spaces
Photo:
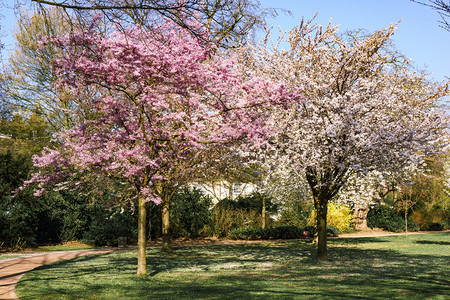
{"x":108,"y":226}
{"x":436,"y":227}
{"x":332,"y":231}
{"x":279,"y":232}
{"x":388,"y":219}
{"x":190,"y":213}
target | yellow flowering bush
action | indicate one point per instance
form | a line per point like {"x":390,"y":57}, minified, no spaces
{"x":339,"y":216}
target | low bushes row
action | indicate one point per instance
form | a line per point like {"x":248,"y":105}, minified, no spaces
{"x":279,"y":232}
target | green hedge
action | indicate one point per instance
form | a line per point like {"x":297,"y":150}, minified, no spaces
{"x":279,"y":232}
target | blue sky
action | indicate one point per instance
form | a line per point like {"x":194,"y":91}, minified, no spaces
{"x":418,"y":36}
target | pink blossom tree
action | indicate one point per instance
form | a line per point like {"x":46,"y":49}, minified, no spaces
{"x":363,"y":109}
{"x":162,"y":96}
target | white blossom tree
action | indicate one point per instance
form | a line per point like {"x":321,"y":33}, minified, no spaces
{"x":362,"y":109}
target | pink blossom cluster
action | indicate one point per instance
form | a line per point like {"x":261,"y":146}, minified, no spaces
{"x":158,"y":96}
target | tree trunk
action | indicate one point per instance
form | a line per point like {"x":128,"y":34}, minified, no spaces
{"x":165,"y":211}
{"x":406,"y":218}
{"x":321,"y":215}
{"x":360,"y":216}
{"x":322,"y":193}
{"x":408,"y":203}
{"x":142,"y":238}
{"x":263,"y":213}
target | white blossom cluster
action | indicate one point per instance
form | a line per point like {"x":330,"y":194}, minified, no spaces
{"x":360,"y":109}
{"x":447,"y":176}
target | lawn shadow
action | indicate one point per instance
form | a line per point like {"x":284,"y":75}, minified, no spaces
{"x":52,"y":269}
{"x":349,"y":273}
{"x":432,"y":242}
{"x":359,"y":240}
{"x":286,"y":270}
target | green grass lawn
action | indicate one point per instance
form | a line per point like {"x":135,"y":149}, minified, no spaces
{"x":404,"y":267}
{"x":9,"y":256}
{"x":54,"y":248}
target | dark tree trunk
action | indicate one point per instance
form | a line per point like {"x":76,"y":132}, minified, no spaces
{"x":321,"y":223}
{"x":324,"y":186}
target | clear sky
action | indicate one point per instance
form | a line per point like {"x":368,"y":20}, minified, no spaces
{"x":418,"y":35}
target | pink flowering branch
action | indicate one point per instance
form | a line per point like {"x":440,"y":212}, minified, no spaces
{"x":160,"y":98}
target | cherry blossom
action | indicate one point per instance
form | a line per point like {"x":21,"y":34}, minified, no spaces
{"x":161,"y":95}
{"x":362,"y":108}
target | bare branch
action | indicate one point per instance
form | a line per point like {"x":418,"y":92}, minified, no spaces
{"x":442,"y":7}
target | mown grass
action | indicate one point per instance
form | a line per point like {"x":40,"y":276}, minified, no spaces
{"x":398,"y":267}
{"x":54,"y":248}
{"x":10,"y":256}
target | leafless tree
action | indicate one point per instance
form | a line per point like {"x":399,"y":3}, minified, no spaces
{"x":442,"y":7}
{"x":227,"y":21}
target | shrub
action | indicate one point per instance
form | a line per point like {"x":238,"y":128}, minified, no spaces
{"x":385,"y":218}
{"x":107,"y":226}
{"x":436,"y":226}
{"x":51,"y":218}
{"x":226,"y":218}
{"x":71,"y":212}
{"x":339,"y":216}
{"x":190,"y":213}
{"x":19,"y":222}
{"x":154,"y":222}
{"x":412,"y":226}
{"x":427,"y":216}
{"x":311,"y":229}
{"x":445,"y":224}
{"x":286,"y":232}
{"x":228,"y":215}
{"x":388,"y":219}
{"x":333,"y":231}
{"x":279,"y":232}
{"x":295,"y":215}
{"x":249,"y":234}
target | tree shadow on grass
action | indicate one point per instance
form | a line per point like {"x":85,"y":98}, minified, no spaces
{"x":270,"y":270}
{"x":433,"y":242}
{"x":356,"y":241}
